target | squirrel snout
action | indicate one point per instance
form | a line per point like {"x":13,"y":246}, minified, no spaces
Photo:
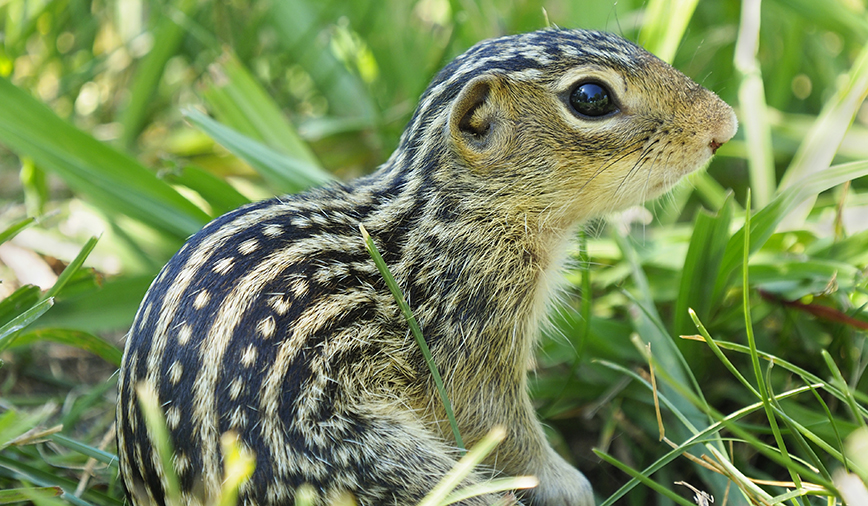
{"x":726,"y":127}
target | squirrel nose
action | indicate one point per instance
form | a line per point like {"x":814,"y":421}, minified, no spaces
{"x":727,"y":124}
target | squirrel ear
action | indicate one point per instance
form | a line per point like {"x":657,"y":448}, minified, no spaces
{"x":474,"y":116}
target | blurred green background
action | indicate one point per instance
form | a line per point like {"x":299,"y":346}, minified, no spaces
{"x":139,"y":120}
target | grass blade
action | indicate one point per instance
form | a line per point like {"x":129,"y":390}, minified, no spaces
{"x":709,"y":190}
{"x":716,"y":348}
{"x":720,"y":422}
{"x":821,"y":143}
{"x":644,"y":479}
{"x":104,"y":457}
{"x":46,"y":479}
{"x":241,"y":103}
{"x":464,"y":467}
{"x":828,"y":413}
{"x":168,"y":35}
{"x":160,"y":440}
{"x":109,"y":308}
{"x":414,"y":327}
{"x":490,"y":487}
{"x":752,"y":101}
{"x":651,"y":330}
{"x":840,"y":16}
{"x":754,"y":358}
{"x":115,"y":182}
{"x":844,"y":388}
{"x":297,"y":25}
{"x":720,"y":356}
{"x":704,"y":254}
{"x":25,"y":494}
{"x":220,"y":195}
{"x":805,"y":375}
{"x":20,"y":300}
{"x":764,"y":222}
{"x":664,"y":26}
{"x":14,"y":424}
{"x":238,"y":466}
{"x":795,"y":432}
{"x":9,"y":331}
{"x":14,"y":229}
{"x":284,"y":173}
{"x":71,"y":269}
{"x":667,"y":356}
{"x":75,"y":338}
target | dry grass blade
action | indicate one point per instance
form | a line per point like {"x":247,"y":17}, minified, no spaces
{"x":438,"y":495}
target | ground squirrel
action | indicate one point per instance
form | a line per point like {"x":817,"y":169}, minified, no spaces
{"x":274,"y":322}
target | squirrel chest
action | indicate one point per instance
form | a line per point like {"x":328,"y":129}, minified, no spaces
{"x":273,"y":322}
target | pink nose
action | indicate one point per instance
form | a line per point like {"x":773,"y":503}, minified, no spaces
{"x":714,"y":145}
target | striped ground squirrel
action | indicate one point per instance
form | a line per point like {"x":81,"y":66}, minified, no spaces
{"x":273,"y":321}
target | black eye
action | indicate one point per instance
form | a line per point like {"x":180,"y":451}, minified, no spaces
{"x":592,"y":99}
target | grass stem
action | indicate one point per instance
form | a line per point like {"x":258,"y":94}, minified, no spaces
{"x":414,"y":328}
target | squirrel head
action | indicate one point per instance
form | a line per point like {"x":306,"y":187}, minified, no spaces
{"x":565,"y":125}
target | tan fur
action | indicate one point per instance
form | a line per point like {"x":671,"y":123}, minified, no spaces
{"x":273,"y":322}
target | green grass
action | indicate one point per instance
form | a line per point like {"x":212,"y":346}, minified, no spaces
{"x":138,"y":122}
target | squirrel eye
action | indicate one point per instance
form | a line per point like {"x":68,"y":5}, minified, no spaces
{"x":592,"y":99}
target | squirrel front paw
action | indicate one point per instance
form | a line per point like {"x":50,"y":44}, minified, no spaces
{"x":560,"y":484}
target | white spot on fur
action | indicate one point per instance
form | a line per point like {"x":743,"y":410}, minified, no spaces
{"x":223,"y":265}
{"x":248,"y":358}
{"x":201,"y":300}
{"x":299,"y":288}
{"x":235,"y":388}
{"x":249,"y":246}
{"x":184,"y":334}
{"x":238,"y":418}
{"x":182,"y":463}
{"x":280,"y":304}
{"x":197,"y":259}
{"x":173,"y":417}
{"x":266,"y":328}
{"x":272,"y":230}
{"x":175,"y":371}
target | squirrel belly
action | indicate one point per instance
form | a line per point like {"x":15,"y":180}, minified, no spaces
{"x":273,"y":322}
